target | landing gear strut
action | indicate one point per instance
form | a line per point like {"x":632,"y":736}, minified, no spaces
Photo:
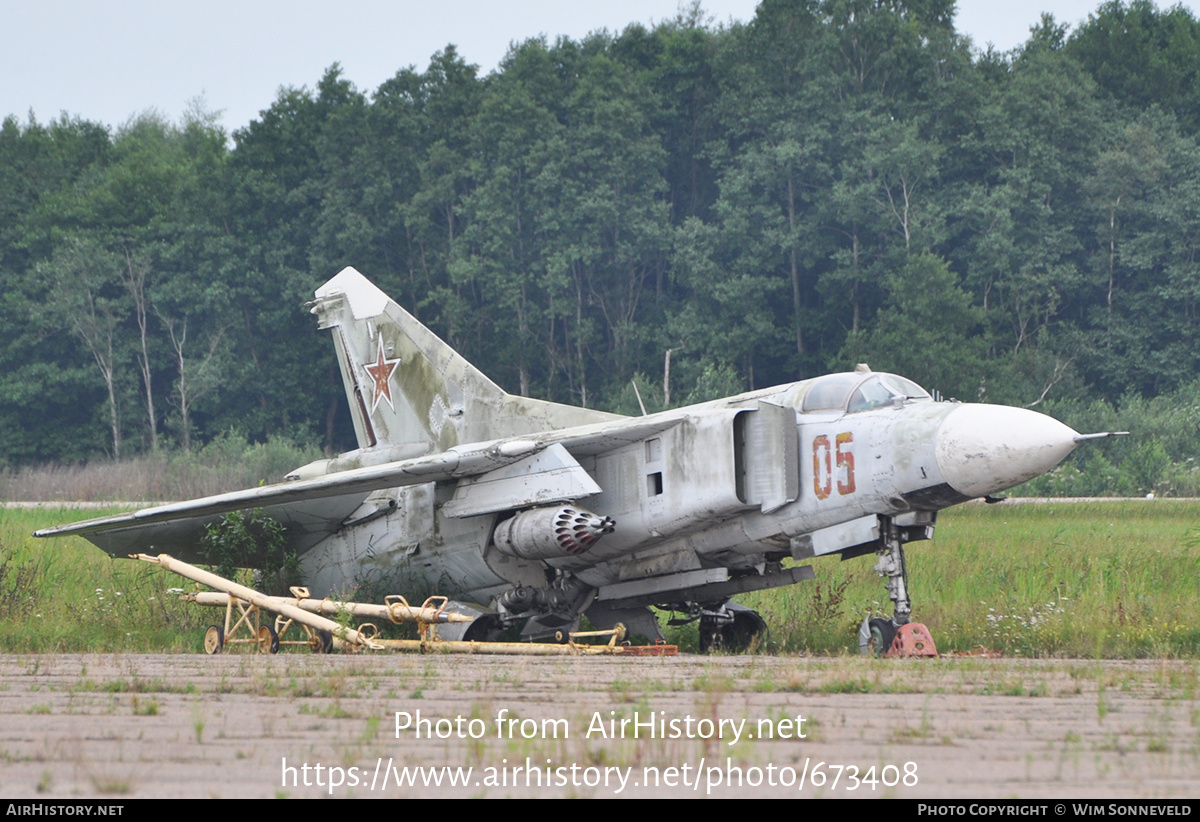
{"x":891,"y":565}
{"x":878,"y":636}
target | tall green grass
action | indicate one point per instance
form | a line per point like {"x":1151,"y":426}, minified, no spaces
{"x":65,"y":595}
{"x":1096,"y":580}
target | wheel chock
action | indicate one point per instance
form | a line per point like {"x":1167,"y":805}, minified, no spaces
{"x":912,"y":640}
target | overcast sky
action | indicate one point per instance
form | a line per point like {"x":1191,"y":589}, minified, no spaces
{"x":109,"y":61}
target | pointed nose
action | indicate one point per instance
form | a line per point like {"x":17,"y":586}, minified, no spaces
{"x":982,"y":449}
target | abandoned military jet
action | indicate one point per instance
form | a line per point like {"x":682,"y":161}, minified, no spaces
{"x":538,"y":512}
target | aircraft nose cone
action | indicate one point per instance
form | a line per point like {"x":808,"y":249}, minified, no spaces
{"x":982,"y":449}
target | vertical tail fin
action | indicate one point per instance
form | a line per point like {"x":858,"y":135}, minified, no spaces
{"x":406,"y":387}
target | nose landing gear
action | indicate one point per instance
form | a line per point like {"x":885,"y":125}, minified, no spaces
{"x":896,"y":636}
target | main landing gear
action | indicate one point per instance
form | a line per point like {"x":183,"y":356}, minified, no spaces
{"x":728,"y":628}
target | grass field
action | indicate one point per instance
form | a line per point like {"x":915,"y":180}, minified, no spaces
{"x":1090,"y":580}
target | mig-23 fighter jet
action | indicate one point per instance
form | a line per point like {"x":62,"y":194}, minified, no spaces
{"x":537,"y":513}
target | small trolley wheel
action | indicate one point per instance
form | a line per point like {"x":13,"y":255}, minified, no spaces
{"x":214,"y":639}
{"x":268,"y":640}
{"x":320,"y":642}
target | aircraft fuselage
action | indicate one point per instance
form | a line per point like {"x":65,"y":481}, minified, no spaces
{"x":729,"y":484}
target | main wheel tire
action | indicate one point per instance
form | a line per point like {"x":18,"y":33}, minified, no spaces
{"x":711,"y":638}
{"x":268,"y":640}
{"x":485,"y":628}
{"x":747,"y":626}
{"x":734,"y":637}
{"x":883,"y":632}
{"x":214,"y":639}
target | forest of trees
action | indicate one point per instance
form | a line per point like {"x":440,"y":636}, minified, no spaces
{"x":836,"y":181}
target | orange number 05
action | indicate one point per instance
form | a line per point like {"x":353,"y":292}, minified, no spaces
{"x":823,"y":461}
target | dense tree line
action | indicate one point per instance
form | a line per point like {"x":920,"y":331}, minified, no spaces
{"x":835,"y":181}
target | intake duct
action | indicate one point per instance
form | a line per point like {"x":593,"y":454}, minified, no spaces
{"x":547,"y":533}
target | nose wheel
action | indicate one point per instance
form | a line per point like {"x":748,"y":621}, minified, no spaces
{"x":876,"y":636}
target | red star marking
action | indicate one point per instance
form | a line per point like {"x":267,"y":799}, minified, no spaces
{"x":381,"y":372}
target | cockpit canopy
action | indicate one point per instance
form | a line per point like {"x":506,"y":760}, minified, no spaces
{"x":860,"y":392}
